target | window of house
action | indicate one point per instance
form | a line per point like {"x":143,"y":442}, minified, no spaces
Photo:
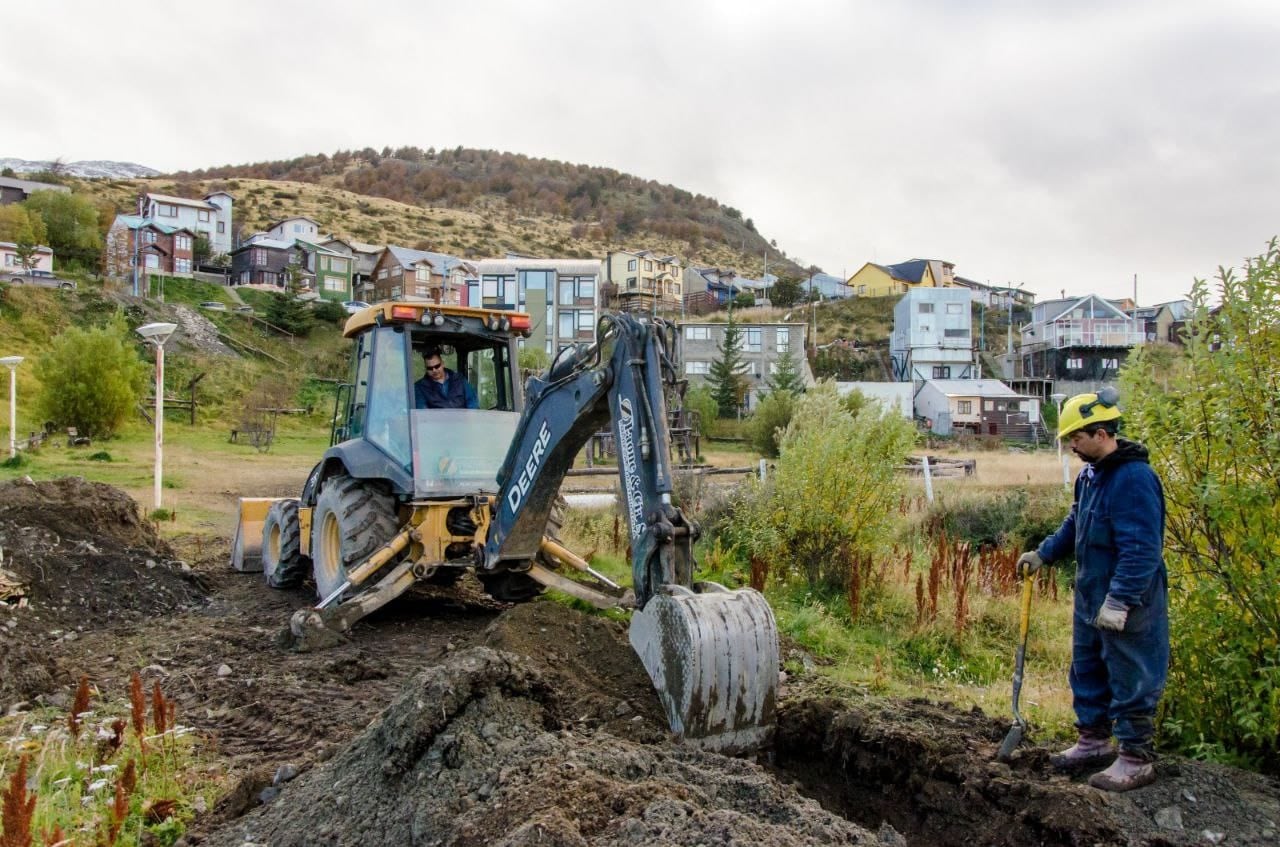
{"x":166,"y":210}
{"x":782,"y":339}
{"x":697,"y":333}
{"x":752,"y":338}
{"x":422,"y":274}
{"x":245,"y":277}
{"x":382,"y":274}
{"x":182,"y":242}
{"x":202,"y":215}
{"x":631,"y":282}
{"x":862,"y":289}
{"x":964,"y":407}
{"x":568,"y":325}
{"x":222,"y":227}
{"x":956,"y":333}
{"x":648,"y":266}
{"x":152,"y":260}
{"x":1075,"y":362}
{"x":258,"y":257}
{"x":942,"y":372}
{"x":149,"y":236}
{"x":631,"y":265}
{"x":697,"y":368}
{"x":334,"y":283}
{"x":420,"y":290}
{"x":297,"y":227}
{"x":925,"y":308}
{"x":955,"y":308}
{"x":182,"y":266}
{"x":1113,"y":364}
{"x":989,"y":405}
{"x":395,"y":291}
{"x":924,"y":327}
{"x":586,"y":320}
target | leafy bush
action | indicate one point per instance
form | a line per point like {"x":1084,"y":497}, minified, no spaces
{"x":831,"y":499}
{"x":329,"y":311}
{"x":1020,"y":518}
{"x":91,"y":379}
{"x":769,"y":421}
{"x":702,"y":401}
{"x":1212,"y":422}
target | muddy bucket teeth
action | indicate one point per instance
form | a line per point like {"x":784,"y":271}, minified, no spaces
{"x":713,"y":658}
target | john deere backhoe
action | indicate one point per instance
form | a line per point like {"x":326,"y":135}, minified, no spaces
{"x":405,"y":495}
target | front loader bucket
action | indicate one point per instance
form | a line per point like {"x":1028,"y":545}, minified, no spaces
{"x":246,"y":547}
{"x":713,"y":658}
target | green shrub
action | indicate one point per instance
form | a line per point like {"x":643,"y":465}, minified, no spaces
{"x":1020,"y":517}
{"x":833,"y":495}
{"x":91,"y":379}
{"x":1212,"y":423}
{"x":329,"y":311}
{"x":702,"y":401}
{"x":769,"y":421}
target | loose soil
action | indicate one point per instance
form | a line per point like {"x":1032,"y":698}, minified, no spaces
{"x":450,"y":719}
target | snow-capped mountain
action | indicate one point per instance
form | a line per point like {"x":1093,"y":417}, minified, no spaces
{"x":90,"y":169}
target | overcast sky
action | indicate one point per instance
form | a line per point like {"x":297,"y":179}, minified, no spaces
{"x":1062,"y":145}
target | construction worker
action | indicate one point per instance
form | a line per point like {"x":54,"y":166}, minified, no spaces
{"x":1120,"y":629}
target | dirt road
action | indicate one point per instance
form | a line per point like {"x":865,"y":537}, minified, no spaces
{"x":449,"y":719}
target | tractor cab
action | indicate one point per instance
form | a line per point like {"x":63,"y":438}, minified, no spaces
{"x":431,"y":452}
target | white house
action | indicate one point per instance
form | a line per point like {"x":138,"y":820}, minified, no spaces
{"x":210,"y":217}
{"x":290,"y":230}
{"x":10,"y":264}
{"x":978,"y":406}
{"x":933,"y":336}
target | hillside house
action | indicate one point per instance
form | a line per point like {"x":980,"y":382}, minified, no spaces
{"x":14,"y":190}
{"x":153,"y":246}
{"x":290,"y":230}
{"x":11,"y":263}
{"x":874,"y":280}
{"x":709,"y":289}
{"x":824,"y":287}
{"x":979,"y":407}
{"x":562,"y":296}
{"x":643,"y":281}
{"x":262,"y":262}
{"x":210,"y":217}
{"x":266,"y":262}
{"x":763,"y":346}
{"x":403,"y":274}
{"x":364,"y":258}
{"x":1074,"y":344}
{"x":932,"y":336}
{"x":1163,"y":322}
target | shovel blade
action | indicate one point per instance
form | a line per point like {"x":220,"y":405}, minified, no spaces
{"x":713,"y":658}
{"x":1011,"y":742}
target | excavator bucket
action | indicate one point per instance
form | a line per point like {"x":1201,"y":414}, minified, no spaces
{"x":246,"y":547}
{"x":713,"y":658}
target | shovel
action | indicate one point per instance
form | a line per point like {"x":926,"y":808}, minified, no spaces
{"x":1014,"y":738}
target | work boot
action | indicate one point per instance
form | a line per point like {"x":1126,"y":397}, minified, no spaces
{"x":1088,"y":752}
{"x":1126,"y":773}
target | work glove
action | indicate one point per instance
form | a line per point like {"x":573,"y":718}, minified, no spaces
{"x":1112,"y":615}
{"x":1028,"y":563}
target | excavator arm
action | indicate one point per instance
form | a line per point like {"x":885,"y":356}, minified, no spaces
{"x":711,"y":652}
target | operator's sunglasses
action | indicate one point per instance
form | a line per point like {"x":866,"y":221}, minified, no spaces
{"x":435,"y":367}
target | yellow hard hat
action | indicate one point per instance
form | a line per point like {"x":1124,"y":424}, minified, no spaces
{"x":1085,"y":409}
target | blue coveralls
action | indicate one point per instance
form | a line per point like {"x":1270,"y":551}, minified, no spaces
{"x":1116,"y":530}
{"x":455,"y":393}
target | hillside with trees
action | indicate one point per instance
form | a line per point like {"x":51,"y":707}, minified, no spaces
{"x":600,"y":208}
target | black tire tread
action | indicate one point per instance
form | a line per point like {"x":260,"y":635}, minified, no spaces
{"x":292,"y":567}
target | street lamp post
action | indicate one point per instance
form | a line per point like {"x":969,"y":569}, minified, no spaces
{"x":158,"y":334}
{"x":12,"y":362}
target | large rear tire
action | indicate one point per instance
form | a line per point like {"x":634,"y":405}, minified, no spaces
{"x":351,"y":520}
{"x":283,"y":565}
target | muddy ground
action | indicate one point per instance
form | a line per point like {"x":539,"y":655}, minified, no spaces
{"x":450,"y":719}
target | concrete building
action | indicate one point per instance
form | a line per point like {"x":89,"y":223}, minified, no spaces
{"x":932,"y":336}
{"x":763,"y":346}
{"x":562,"y":296}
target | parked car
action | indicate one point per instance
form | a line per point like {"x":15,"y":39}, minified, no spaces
{"x":245,"y":308}
{"x":353,"y":306}
{"x":44,"y":279}
{"x":214,"y":305}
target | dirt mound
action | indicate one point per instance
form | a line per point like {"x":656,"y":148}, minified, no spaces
{"x":929,"y":770}
{"x":484,"y":749}
{"x":79,"y":557}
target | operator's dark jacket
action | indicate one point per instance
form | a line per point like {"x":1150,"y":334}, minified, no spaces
{"x":455,"y":393}
{"x":1116,"y":530}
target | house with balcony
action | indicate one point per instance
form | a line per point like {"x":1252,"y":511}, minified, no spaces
{"x":262,"y":262}
{"x":300,"y":266}
{"x":1074,"y":345}
{"x":874,"y":280}
{"x":763,"y":347}
{"x":210,"y":216}
{"x":932,"y":336}
{"x":154,"y":247}
{"x":643,"y":281}
{"x":562,"y":296}
{"x":708,"y":289}
{"x":1163,"y":322}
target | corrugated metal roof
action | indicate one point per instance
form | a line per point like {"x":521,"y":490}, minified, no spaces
{"x":30,"y":185}
{"x":973,"y":388}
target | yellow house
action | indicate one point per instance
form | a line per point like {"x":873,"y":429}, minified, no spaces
{"x":644,"y":280}
{"x":874,"y":280}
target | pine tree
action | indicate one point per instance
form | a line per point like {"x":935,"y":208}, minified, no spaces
{"x":725,"y":377}
{"x":787,"y":377}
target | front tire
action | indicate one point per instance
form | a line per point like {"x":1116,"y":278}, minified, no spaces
{"x":351,"y":520}
{"x":283,"y":565}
